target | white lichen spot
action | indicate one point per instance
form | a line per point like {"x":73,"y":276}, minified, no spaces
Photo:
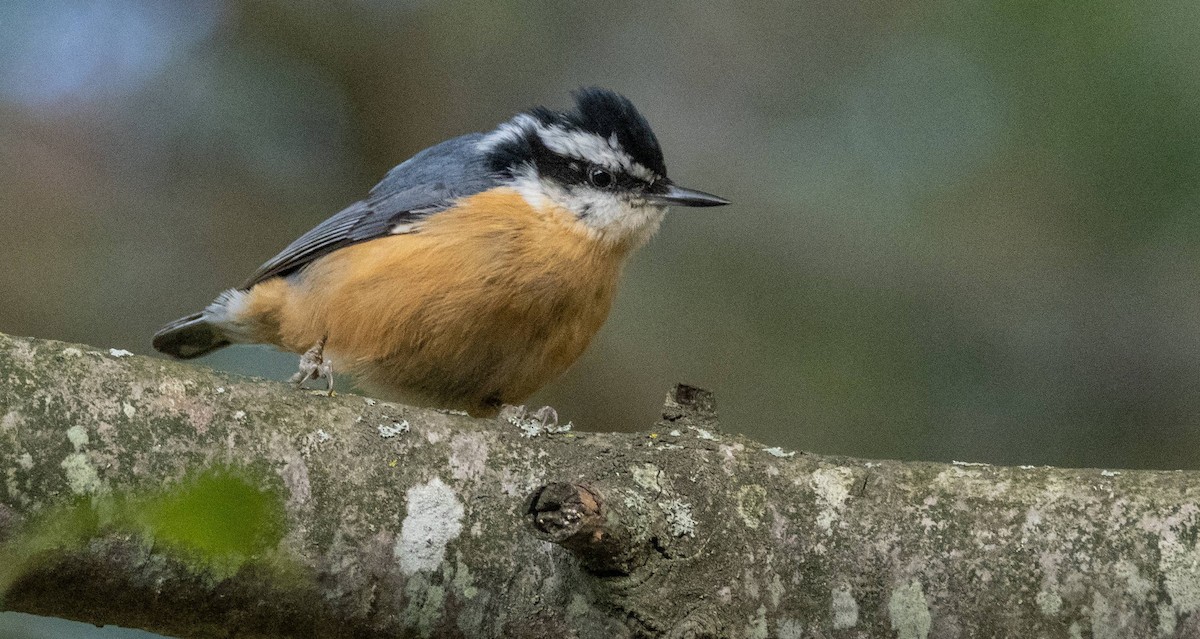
{"x":71,"y":351}
{"x":295,"y":477}
{"x":789,"y":629}
{"x":1166,"y":620}
{"x":25,"y":461}
{"x":634,"y":500}
{"x":1136,"y":586}
{"x":468,"y":457}
{"x":172,"y":388}
{"x":757,"y":628}
{"x":128,"y":409}
{"x":704,"y":434}
{"x":964,"y":463}
{"x":844,"y":608}
{"x":369,"y":401}
{"x":240,"y":415}
{"x":909,"y":611}
{"x":78,"y":436}
{"x":323,"y":436}
{"x":647,"y":476}
{"x":578,"y":607}
{"x":1109,"y":473}
{"x":953,"y":478}
{"x":81,"y":475}
{"x":434,"y":518}
{"x":751,"y":584}
{"x":388,"y":431}
{"x":779,"y":452}
{"x":23,"y":352}
{"x":119,"y":352}
{"x":751,"y":504}
{"x":11,"y":420}
{"x":220,"y":390}
{"x":832,"y":488}
{"x":775,"y":590}
{"x":725,"y":594}
{"x":1026,"y":467}
{"x":675,"y":433}
{"x":679,"y":517}
{"x":1050,"y":603}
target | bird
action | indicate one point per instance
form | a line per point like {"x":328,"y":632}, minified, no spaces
{"x":473,"y":273}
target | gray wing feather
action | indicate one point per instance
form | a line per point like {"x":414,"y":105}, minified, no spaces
{"x":426,"y":183}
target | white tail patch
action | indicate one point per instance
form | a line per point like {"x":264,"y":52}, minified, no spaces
{"x":227,"y":311}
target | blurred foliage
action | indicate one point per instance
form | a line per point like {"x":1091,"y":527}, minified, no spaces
{"x":962,"y":229}
{"x":217,"y":521}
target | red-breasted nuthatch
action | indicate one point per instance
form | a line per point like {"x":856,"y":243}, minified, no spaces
{"x":473,"y":274}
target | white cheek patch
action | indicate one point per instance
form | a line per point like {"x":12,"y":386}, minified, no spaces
{"x":601,"y":214}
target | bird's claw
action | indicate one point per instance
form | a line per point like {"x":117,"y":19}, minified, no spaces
{"x":542,"y":420}
{"x":547,"y":417}
{"x":314,"y":365}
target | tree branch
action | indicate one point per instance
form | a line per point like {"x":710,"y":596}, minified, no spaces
{"x":156,"y":495}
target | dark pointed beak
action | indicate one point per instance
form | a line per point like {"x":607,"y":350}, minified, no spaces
{"x":679,"y":196}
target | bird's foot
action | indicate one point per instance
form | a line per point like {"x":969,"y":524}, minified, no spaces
{"x":314,"y":365}
{"x":542,"y":420}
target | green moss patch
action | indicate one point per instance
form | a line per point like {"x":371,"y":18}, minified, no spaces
{"x":215,"y":521}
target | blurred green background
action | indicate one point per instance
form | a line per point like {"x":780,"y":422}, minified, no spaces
{"x":962,"y":229}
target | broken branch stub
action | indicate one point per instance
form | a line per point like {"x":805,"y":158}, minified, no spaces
{"x":595,"y":530}
{"x":689,"y":405}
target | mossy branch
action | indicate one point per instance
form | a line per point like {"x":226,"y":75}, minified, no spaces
{"x":157,"y":495}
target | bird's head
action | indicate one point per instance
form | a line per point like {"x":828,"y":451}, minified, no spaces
{"x":599,"y":161}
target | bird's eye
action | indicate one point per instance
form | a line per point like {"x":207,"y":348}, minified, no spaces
{"x":600,"y":178}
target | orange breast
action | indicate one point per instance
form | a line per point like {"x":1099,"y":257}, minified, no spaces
{"x":483,"y":305}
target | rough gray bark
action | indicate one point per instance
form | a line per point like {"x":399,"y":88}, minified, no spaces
{"x":156,"y":495}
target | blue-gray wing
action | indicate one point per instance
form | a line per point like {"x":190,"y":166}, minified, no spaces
{"x":423,"y":185}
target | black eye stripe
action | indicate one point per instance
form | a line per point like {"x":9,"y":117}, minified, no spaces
{"x":569,"y":171}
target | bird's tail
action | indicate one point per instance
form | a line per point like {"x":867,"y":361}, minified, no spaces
{"x":190,"y":336}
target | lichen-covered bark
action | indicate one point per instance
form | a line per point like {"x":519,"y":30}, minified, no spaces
{"x":157,"y":495}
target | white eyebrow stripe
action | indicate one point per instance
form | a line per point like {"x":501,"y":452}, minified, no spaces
{"x":590,"y":147}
